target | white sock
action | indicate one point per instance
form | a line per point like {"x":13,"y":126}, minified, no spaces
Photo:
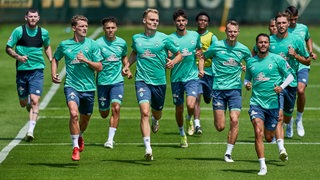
{"x":280,"y":143}
{"x":229,"y":148}
{"x":196,"y":122}
{"x":299,"y":116}
{"x":74,"y":139}
{"x":262,"y":163}
{"x":181,"y":130}
{"x":112,"y":132}
{"x":147,"y":143}
{"x":32,"y":125}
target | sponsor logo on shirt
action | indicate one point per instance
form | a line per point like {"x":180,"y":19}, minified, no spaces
{"x":147,"y":53}
{"x":112,"y":57}
{"x":231,"y":62}
{"x":261,"y":77}
{"x":186,"y":52}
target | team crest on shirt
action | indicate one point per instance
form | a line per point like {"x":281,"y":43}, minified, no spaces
{"x":270,"y":66}
{"x":261,"y":77}
{"x":302,"y":34}
{"x":157,"y":44}
{"x":86,"y":49}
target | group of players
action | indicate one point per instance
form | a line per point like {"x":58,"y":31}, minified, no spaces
{"x":200,"y":64}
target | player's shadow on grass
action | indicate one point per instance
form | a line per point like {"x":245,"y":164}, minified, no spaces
{"x":57,"y":165}
{"x":269,"y":162}
{"x":138,"y":162}
{"x":247,"y":171}
{"x":10,"y":139}
{"x":201,"y":159}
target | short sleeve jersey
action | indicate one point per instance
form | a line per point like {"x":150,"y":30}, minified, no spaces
{"x":226,"y":64}
{"x":281,"y":47}
{"x":152,"y":52}
{"x":301,"y":31}
{"x":264,"y":74}
{"x":187,"y":69}
{"x":207,"y":39}
{"x":79,"y":75}
{"x":112,"y":53}
{"x":35,"y":56}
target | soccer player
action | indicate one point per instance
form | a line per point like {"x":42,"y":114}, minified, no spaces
{"x":184,"y":75}
{"x":227,"y":56}
{"x":272,"y":26}
{"x":207,"y":38}
{"x":292,"y":49}
{"x":264,"y":73}
{"x":300,"y":30}
{"x":110,"y":80}
{"x":150,"y":51}
{"x":28,"y":41}
{"x":82,"y":60}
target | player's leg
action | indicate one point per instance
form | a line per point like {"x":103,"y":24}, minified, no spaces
{"x":303,"y":76}
{"x":116,"y":95}
{"x":35,"y":80}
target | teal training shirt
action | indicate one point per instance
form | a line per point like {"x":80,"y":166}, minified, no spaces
{"x":79,"y":75}
{"x":112,"y":53}
{"x":35,"y":54}
{"x":187,"y":69}
{"x":152,"y":52}
{"x":281,"y":47}
{"x":226,"y":64}
{"x":301,"y":31}
{"x":264,"y":74}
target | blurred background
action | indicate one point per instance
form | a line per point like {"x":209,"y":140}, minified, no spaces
{"x":248,"y":12}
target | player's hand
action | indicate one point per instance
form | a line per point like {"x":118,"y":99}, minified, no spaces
{"x":22,"y":59}
{"x":248,"y":86}
{"x":169,"y":63}
{"x":243,"y":67}
{"x":313,"y":56}
{"x":291,"y":51}
{"x":56,"y":79}
{"x":126,"y":72}
{"x":277,"y":89}
{"x":81,"y":57}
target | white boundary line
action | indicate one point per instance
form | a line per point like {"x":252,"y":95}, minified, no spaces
{"x":53,"y":89}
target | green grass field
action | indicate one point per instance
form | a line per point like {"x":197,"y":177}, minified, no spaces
{"x":49,"y":155}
